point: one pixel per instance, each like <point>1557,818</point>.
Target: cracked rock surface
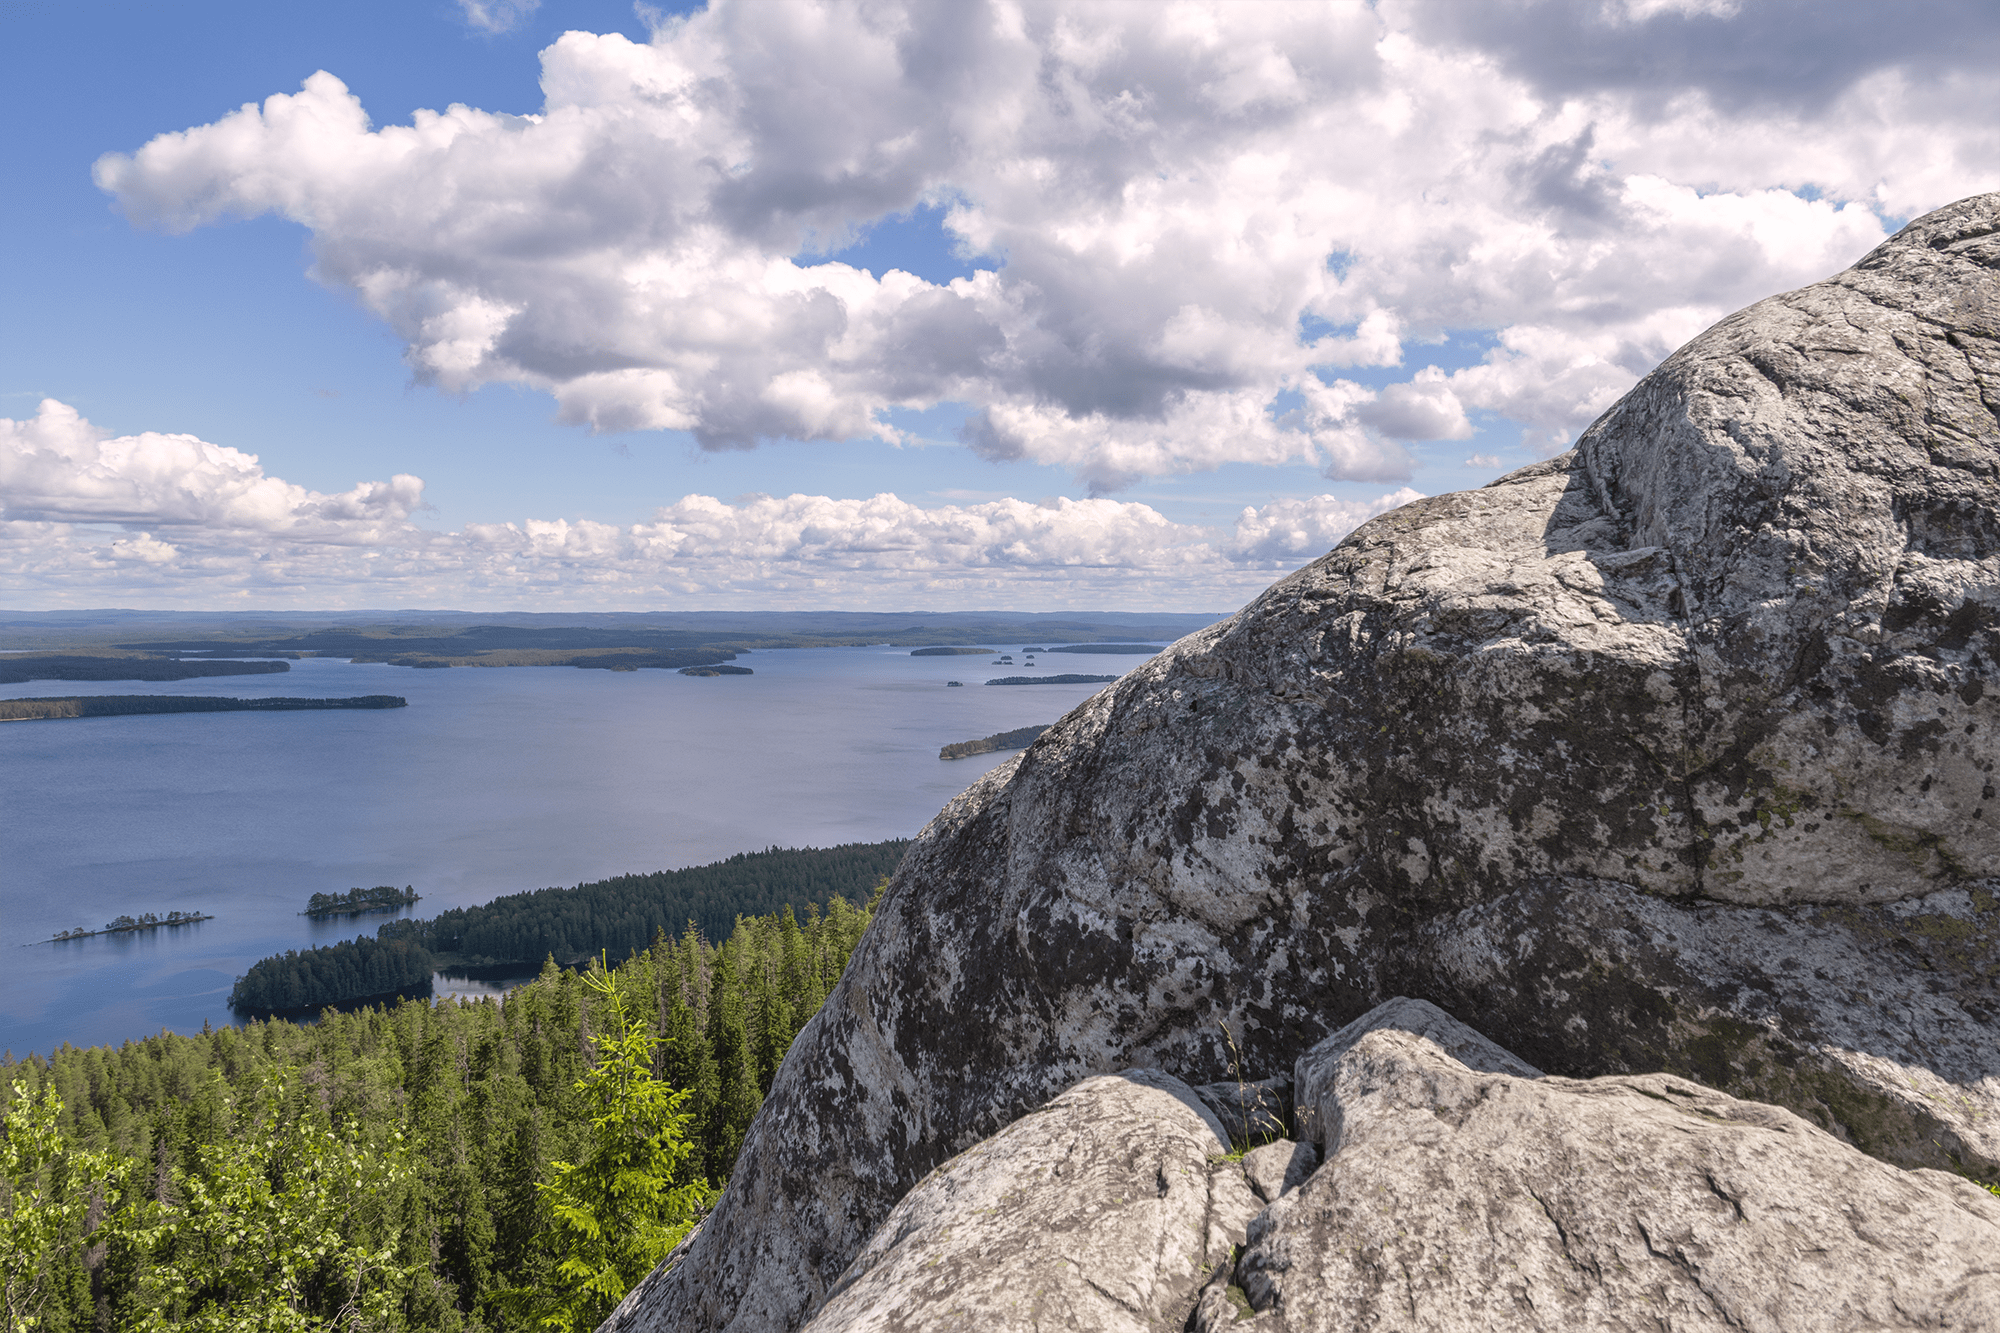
<point>1461,1199</point>
<point>1674,753</point>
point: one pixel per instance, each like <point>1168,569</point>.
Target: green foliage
<point>50,1194</point>
<point>398,1166</point>
<point>283,1226</point>
<point>616,1212</point>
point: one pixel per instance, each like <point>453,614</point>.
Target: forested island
<point>129,705</point>
<point>127,925</point>
<point>949,652</point>
<point>511,934</point>
<point>19,668</point>
<point>355,902</point>
<point>1018,739</point>
<point>717,671</point>
<point>1062,679</point>
<point>1129,649</point>
<point>401,1160</point>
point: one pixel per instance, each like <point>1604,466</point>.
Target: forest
<point>511,934</point>
<point>457,1166</point>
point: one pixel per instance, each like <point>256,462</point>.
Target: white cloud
<point>1284,530</point>
<point>497,15</point>
<point>57,466</point>
<point>1173,188</point>
<point>87,517</point>
<point>1424,408</point>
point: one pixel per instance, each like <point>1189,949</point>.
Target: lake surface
<point>492,781</point>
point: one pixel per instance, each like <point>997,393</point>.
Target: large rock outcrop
<point>1671,754</point>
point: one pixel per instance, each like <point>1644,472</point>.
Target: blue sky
<point>1190,291</point>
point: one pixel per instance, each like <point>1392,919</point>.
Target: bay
<point>492,781</point>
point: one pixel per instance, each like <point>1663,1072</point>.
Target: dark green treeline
<point>613,916</point>
<point>482,1094</point>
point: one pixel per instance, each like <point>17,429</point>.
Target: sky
<point>520,305</point>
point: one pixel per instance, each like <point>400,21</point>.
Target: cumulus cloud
<point>85,515</point>
<point>1176,193</point>
<point>57,466</point>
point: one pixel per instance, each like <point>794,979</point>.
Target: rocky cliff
<point>1670,755</point>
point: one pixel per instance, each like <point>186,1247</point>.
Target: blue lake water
<point>492,781</point>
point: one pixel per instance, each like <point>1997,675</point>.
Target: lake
<point>492,781</point>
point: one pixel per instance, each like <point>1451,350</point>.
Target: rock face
<point>1670,754</point>
<point>1458,1199</point>
<point>1095,1212</point>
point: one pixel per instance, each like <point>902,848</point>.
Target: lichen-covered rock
<point>1454,1200</point>
<point>1720,676</point>
<point>1094,1212</point>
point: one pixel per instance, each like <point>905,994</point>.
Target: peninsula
<point>125,705</point>
<point>1018,739</point>
<point>1067,678</point>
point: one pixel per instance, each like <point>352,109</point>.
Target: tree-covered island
<point>381,898</point>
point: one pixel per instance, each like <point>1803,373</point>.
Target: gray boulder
<point>1459,1199</point>
<point>1096,1211</point>
<point>1672,753</point>
<point>1278,1168</point>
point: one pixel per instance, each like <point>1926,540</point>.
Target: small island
<point>127,925</point>
<point>717,671</point>
<point>950,652</point>
<point>355,902</point>
<point>1018,739</point>
<point>1066,678</point>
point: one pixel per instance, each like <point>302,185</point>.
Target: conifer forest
<point>458,1165</point>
